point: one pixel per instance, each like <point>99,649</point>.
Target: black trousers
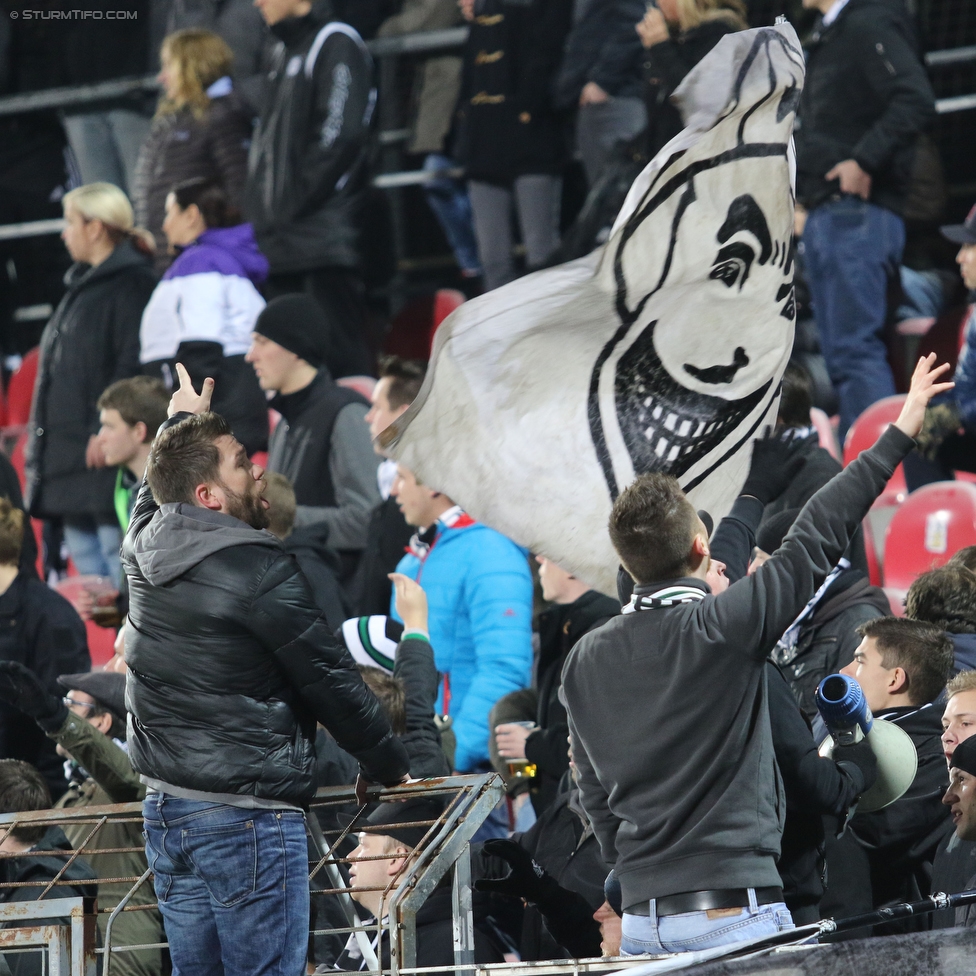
<point>342,295</point>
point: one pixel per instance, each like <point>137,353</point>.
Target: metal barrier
<point>73,931</point>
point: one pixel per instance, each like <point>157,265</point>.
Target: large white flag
<point>661,351</point>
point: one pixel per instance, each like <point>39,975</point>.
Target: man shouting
<point>230,666</point>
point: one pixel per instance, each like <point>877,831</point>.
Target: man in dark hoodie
<point>682,787</point>
<point>946,597</point>
<point>865,101</point>
<point>230,666</point>
<point>822,640</point>
<point>886,857</point>
<point>307,170</point>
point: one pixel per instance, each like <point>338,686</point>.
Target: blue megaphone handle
<point>842,705</point>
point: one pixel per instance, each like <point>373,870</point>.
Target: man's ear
<point>699,551</point>
<point>103,723</point>
<point>142,432</point>
<point>397,861</point>
<point>208,496</point>
<point>898,682</point>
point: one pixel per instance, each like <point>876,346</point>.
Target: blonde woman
<point>90,341</point>
<point>676,35</point>
<point>202,128</point>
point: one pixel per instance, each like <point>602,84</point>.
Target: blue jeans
<point>851,249</point>
<point>448,199</point>
<point>692,931</point>
<point>232,886</point>
<point>94,547</point>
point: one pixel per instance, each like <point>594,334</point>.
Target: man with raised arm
<point>231,664</point>
<point>667,703</point>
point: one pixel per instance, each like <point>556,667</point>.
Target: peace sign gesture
<point>185,399</point>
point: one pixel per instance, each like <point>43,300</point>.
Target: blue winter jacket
<point>479,594</point>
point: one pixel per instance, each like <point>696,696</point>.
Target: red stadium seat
<point>863,434</point>
<point>871,551</point>
<point>412,330</point>
<point>932,524</point>
<point>20,393</point>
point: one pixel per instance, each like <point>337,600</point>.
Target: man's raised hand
<point>924,388</point>
<point>185,399</point>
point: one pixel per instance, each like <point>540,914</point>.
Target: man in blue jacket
<point>479,591</point>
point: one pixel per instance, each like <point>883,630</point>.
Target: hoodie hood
<point>181,536</point>
<point>124,256</point>
<point>964,652</point>
<point>227,250</point>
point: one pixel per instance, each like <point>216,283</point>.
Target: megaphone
<point>849,720</point>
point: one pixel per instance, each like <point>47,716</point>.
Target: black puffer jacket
<point>508,126</point>
<point>231,663</point>
<point>91,340</point>
<point>180,147</point>
<point>307,170</point>
<point>866,97</point>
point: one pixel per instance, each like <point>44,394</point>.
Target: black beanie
<point>773,531</point>
<point>298,324</point>
<point>964,756</point>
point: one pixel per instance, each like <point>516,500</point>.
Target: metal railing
<point>74,931</point>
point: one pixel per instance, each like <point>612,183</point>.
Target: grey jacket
<point>668,715</point>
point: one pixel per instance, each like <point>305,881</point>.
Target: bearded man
<point>231,664</point>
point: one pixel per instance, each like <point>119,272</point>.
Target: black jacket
<point>681,787</point>
<point>507,125</point>
<point>435,938</point>
<point>828,637</point>
<point>560,627</point>
<point>665,66</point>
<point>181,146</point>
<point>563,843</point>
<point>953,870</point>
<point>320,567</point>
<point>42,631</point>
<point>91,340</point>
<point>387,536</point>
<point>866,97</point>
<point>231,663</point>
<point>307,168</point>
<point>602,47</point>
<point>901,840</point>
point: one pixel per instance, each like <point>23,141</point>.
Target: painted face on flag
<point>702,276</point>
<point>662,351</point>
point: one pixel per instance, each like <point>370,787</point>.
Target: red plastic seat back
<point>20,394</point>
<point>864,433</point>
<point>932,524</point>
<point>412,331</point>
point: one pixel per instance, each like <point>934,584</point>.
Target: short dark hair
<point>280,496</point>
<point>22,789</point>
<point>965,557</point>
<point>138,399</point>
<point>652,526</point>
<point>11,533</point>
<point>211,200</point>
<point>797,397</point>
<point>922,651</point>
<point>406,378</point>
<point>945,597</point>
<point>184,456</point>
<point>391,695</point>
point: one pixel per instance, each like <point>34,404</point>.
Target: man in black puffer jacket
<point>307,171</point>
<point>230,666</point>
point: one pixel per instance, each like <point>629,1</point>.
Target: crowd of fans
<point>209,374</point>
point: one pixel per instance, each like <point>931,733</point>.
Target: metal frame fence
<point>67,926</point>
